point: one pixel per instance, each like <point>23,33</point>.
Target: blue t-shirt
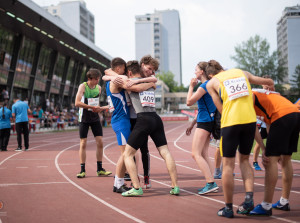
<point>5,122</point>
<point>117,103</point>
<point>20,109</point>
<point>205,115</point>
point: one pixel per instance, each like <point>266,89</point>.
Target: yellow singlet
<point>237,98</point>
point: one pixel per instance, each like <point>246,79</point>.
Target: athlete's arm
<point>110,72</point>
<point>79,95</point>
<point>189,129</point>
<point>193,98</point>
<point>141,80</point>
<point>260,81</point>
<point>141,87</point>
<point>212,88</point>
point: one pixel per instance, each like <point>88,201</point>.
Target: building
<point>288,39</point>
<point>76,16</point>
<point>158,34</point>
<point>41,58</point>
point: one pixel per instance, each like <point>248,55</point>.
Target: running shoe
<point>215,191</point>
<point>279,206</point>
<point>122,189</point>
<point>218,175</point>
<point>81,175</point>
<point>103,172</point>
<point>18,149</point>
<point>26,149</point>
<point>147,182</point>
<point>259,210</point>
<point>127,177</point>
<point>133,192</point>
<point>225,212</point>
<point>256,166</point>
<point>245,208</point>
<point>208,188</point>
<point>175,191</point>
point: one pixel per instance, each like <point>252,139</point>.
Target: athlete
<point>263,132</point>
<point>87,99</point>
<point>201,139</point>
<point>283,119</point>
<point>232,95</point>
<point>147,123</point>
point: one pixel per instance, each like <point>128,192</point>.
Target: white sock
<point>115,182</point>
<point>284,201</point>
<point>120,182</point>
<point>266,206</point>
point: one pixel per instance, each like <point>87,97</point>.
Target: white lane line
<point>25,184</point>
<point>42,166</point>
<point>89,193</point>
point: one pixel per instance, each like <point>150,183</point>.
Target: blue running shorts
<point>122,130</point>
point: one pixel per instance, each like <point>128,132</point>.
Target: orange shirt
<point>272,106</point>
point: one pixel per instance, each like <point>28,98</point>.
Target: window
<point>6,48</point>
<point>69,77</point>
<point>57,75</point>
<point>42,69</point>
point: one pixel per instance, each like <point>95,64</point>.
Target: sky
<point>210,29</point>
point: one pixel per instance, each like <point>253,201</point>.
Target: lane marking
<point>25,184</point>
<point>89,193</point>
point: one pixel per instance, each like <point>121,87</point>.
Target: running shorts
<point>283,135</point>
<point>147,124</point>
<point>237,136</point>
<point>122,130</point>
<point>208,126</point>
<point>84,129</point>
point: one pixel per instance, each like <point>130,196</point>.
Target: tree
<point>253,56</point>
<point>168,78</point>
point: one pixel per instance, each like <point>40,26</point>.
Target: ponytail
<point>3,115</point>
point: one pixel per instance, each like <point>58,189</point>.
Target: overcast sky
<point>210,29</point>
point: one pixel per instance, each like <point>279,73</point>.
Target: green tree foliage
<point>168,78</point>
<point>253,56</point>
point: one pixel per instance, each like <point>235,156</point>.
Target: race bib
<point>93,102</point>
<point>147,98</point>
<point>236,88</point>
<point>110,104</point>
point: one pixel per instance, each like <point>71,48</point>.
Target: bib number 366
<point>236,88</point>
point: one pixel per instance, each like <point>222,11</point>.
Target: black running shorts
<point>208,126</point>
<point>237,136</point>
<point>283,135</point>
<point>147,124</point>
<point>84,129</point>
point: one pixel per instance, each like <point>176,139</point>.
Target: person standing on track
<point>87,99</point>
<point>283,118</point>
<point>201,139</point>
<point>5,117</point>
<point>232,95</point>
<point>263,132</point>
<point>20,112</point>
<point>147,123</point>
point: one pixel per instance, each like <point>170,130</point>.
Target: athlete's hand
<point>96,109</point>
<point>194,82</point>
<point>118,81</point>
<point>189,130</point>
<point>265,159</point>
<point>130,83</point>
<point>154,85</point>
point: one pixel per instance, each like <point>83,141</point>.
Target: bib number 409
<point>147,98</point>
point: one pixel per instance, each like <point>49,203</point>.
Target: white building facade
<point>75,15</point>
<point>159,35</point>
<point>288,39</point>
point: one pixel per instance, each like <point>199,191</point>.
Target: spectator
<point>5,117</point>
<point>20,112</point>
<point>5,95</point>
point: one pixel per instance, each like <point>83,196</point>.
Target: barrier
<point>174,118</point>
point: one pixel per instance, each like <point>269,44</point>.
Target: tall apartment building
<point>288,39</point>
<point>158,34</point>
<point>75,15</point>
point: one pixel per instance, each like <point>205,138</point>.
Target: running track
<point>40,185</point>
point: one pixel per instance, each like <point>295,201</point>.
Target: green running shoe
<point>133,192</point>
<point>81,175</point>
<point>103,172</point>
<point>175,191</point>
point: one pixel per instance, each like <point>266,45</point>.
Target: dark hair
<point>133,66</point>
<point>213,67</point>
<point>202,66</point>
<point>117,61</point>
<point>149,60</point>
<point>93,73</point>
<point>3,115</point>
